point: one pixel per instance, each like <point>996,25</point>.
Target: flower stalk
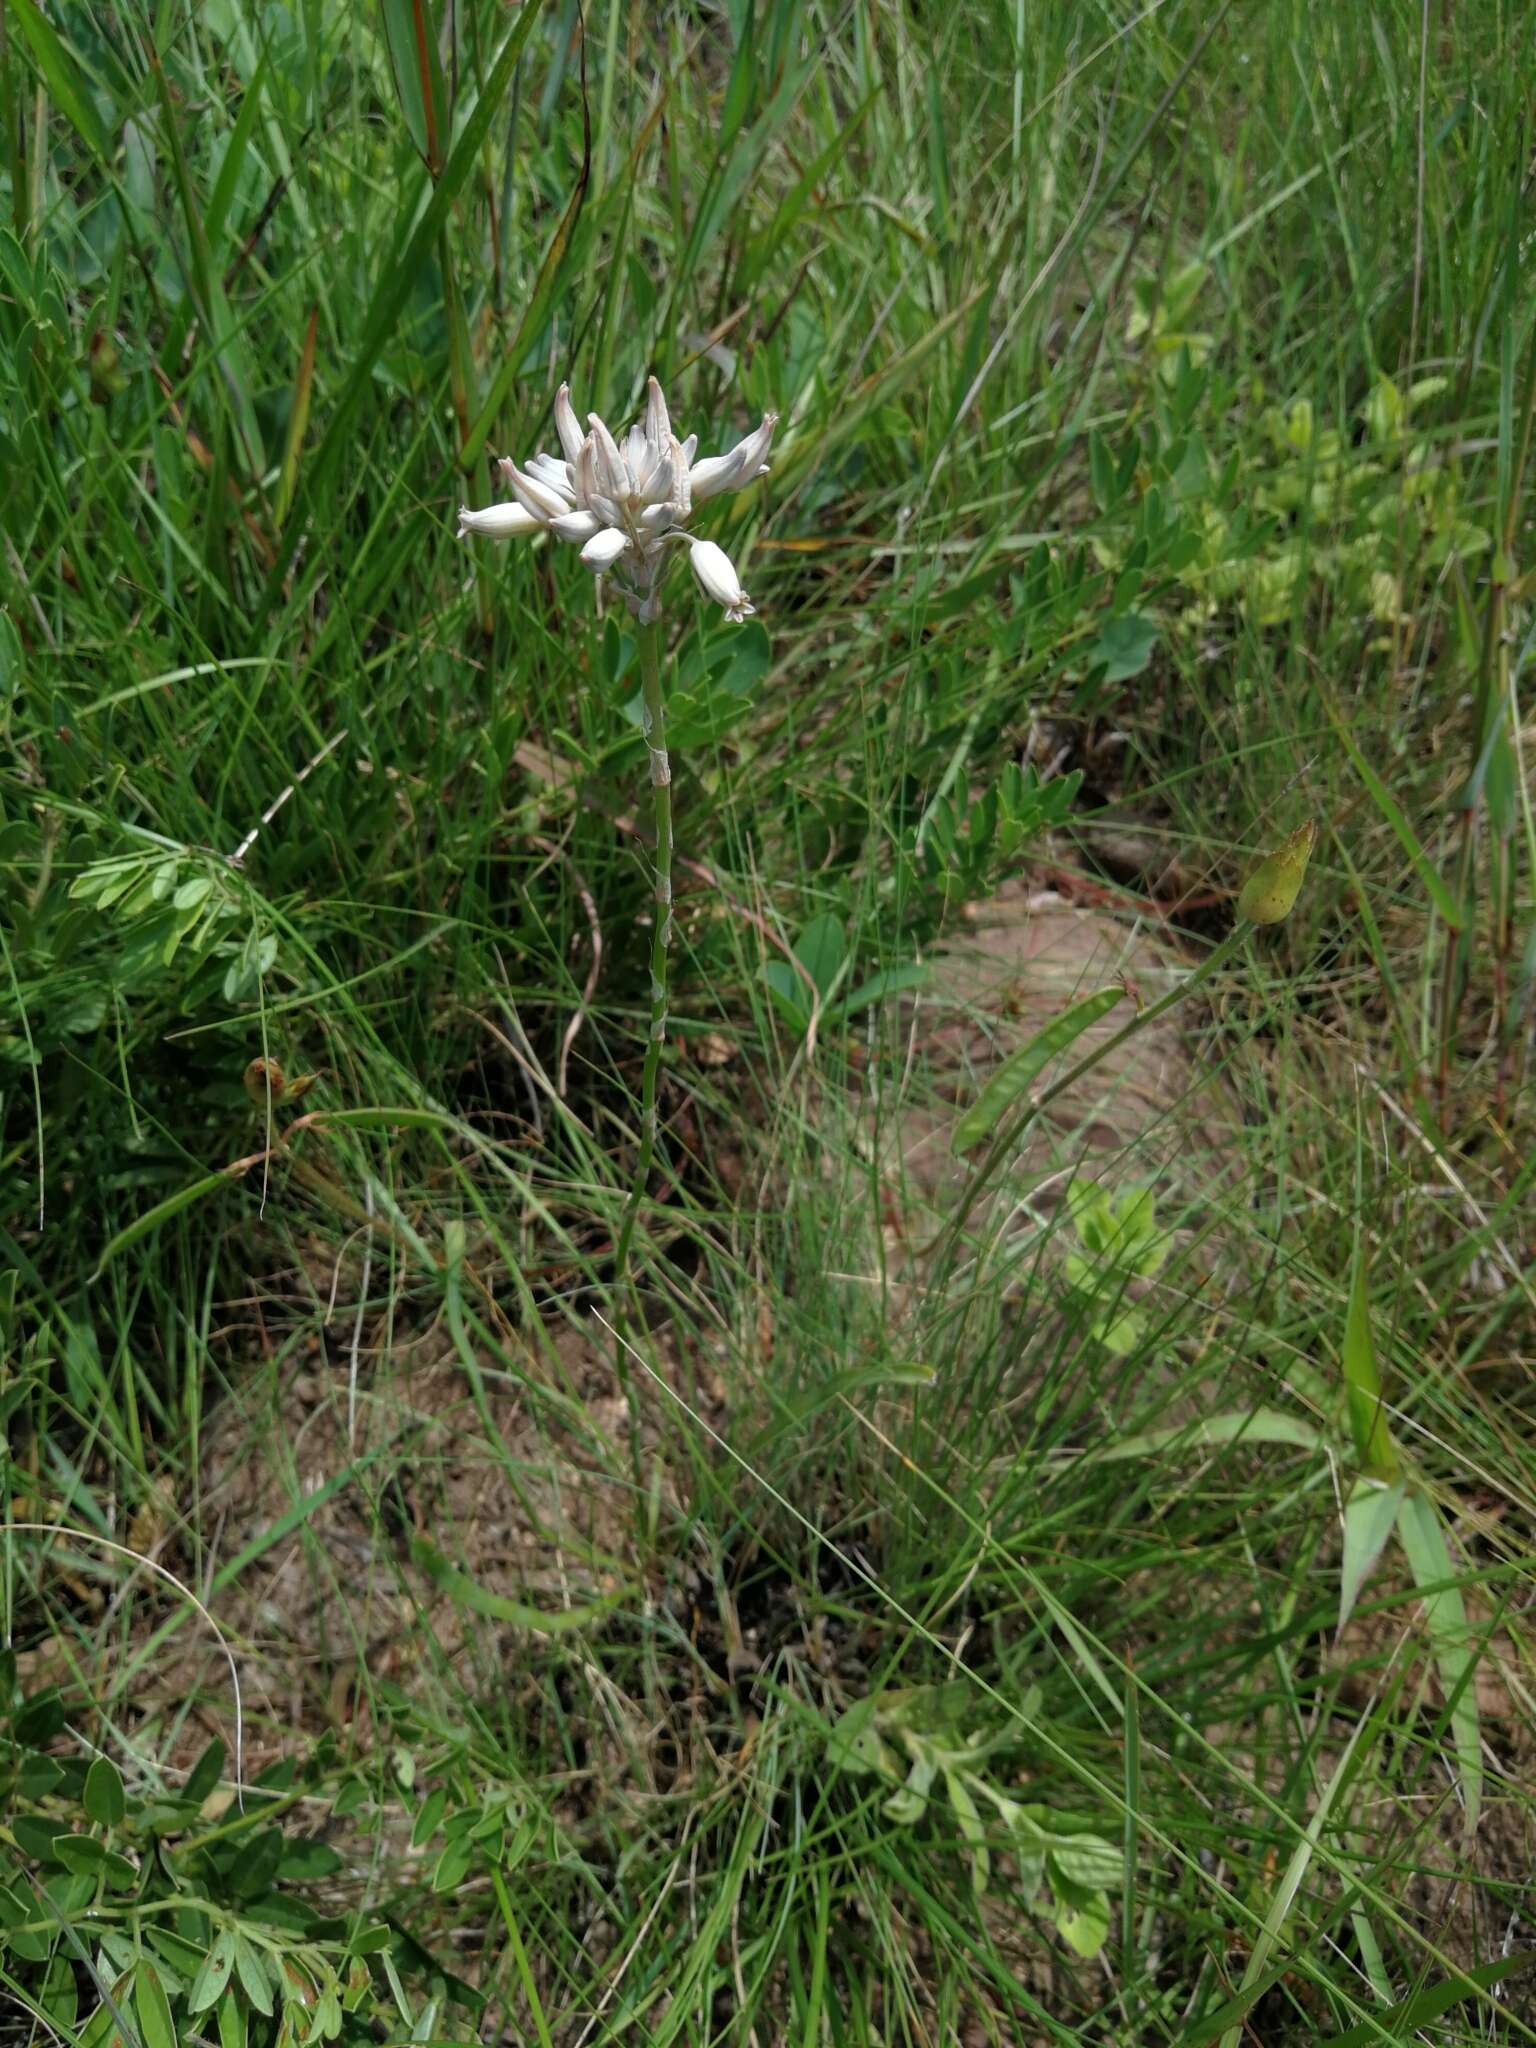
<point>654,719</point>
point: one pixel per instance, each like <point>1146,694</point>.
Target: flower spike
<point>621,498</point>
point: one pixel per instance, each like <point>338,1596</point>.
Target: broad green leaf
<point>1445,1616</point>
<point>1087,1860</point>
<point>908,1805</point>
<point>152,2006</point>
<point>304,1861</point>
<point>1369,1516</point>
<point>82,1854</point>
<point>927,1707</point>
<point>205,1773</point>
<point>789,991</point>
<point>61,1994</point>
<point>430,1817</point>
<point>102,2021</point>
<point>821,950</point>
<point>252,1972</point>
<point>1121,1333</point>
<point>103,1797</point>
<point>1124,645</point>
<point>855,1744</point>
<point>1091,1211</point>
<point>212,1980</point>
<point>1023,1067</point>
<point>1083,1922</point>
<point>371,1940</point>
<point>737,661</point>
<point>449,1871</point>
<point>232,2029</point>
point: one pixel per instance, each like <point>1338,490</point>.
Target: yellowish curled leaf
<point>1271,890</point>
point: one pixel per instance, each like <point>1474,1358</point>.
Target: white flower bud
<point>498,522</point>
<point>718,579</point>
<point>604,548</point>
<point>576,526</point>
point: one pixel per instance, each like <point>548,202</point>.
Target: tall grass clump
<point>974,1484</point>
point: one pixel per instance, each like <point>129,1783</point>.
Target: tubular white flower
<point>576,526</point>
<point>609,466</point>
<point>541,498</point>
<point>717,474</point>
<point>640,454</point>
<point>566,424</point>
<point>718,579</point>
<point>549,469</point>
<point>605,548</point>
<point>498,522</point>
<point>654,487</point>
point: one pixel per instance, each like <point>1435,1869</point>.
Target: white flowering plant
<point>629,503</point>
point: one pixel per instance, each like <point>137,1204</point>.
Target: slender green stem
<point>661,938</point>
<point>1007,1139</point>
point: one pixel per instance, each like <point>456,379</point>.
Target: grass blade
<point>1362,1380</point>
<point>1445,1616</point>
<point>141,1226</point>
<point>1285,1893</point>
<point>1369,1516</point>
<point>298,420</point>
<point>1255,1426</point>
<point>1449,909</point>
<point>1023,1067</point>
<point>1406,2018</point>
<point>467,1593</point>
<point>61,74</point>
<point>417,233</point>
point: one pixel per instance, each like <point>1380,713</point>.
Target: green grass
<point>1041,489</point>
